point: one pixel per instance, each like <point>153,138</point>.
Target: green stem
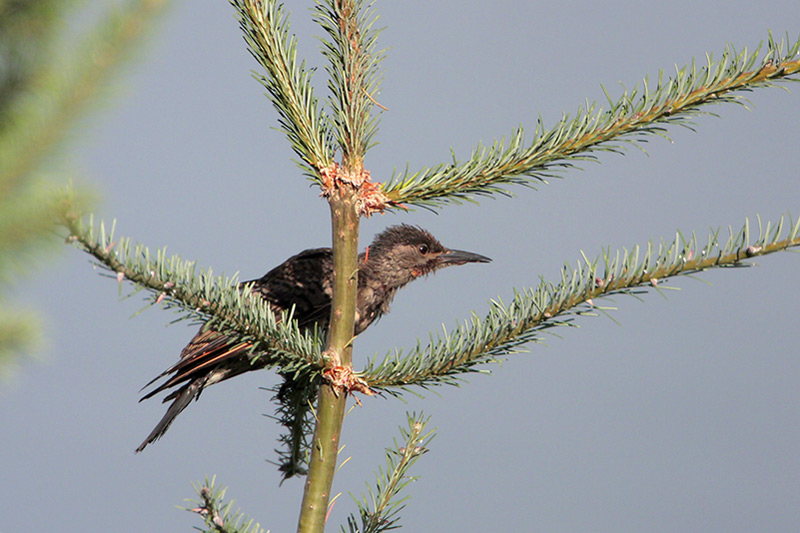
<point>332,402</point>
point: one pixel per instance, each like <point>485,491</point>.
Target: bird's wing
<point>205,351</point>
<point>302,282</point>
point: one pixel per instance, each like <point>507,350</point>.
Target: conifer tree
<point>330,139</point>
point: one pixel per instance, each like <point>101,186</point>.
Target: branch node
<point>342,379</point>
<point>370,197</point>
<point>753,250</point>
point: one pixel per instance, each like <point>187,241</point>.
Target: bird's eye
<point>423,249</point>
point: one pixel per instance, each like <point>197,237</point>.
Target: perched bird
<point>396,257</point>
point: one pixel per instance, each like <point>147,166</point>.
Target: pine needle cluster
<point>507,328</point>
<point>630,119</point>
<point>380,508</point>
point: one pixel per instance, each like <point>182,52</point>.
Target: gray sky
<point>683,418</point>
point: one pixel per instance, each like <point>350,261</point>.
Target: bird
<point>304,284</point>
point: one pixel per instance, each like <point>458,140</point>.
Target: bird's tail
<point>183,398</point>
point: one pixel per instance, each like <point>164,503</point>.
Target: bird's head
<point>403,253</point>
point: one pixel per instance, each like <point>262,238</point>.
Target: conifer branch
<point>219,516</point>
<point>631,119</point>
<point>350,194</point>
<point>379,510</point>
<point>353,73</point>
<point>508,327</point>
<point>219,301</point>
<point>295,413</point>
<point>266,30</point>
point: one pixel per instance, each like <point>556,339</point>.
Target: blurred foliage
<point>55,56</point>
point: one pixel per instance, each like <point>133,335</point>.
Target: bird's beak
<point>459,257</point>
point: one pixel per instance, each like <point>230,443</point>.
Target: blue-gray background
<point>683,418</point>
